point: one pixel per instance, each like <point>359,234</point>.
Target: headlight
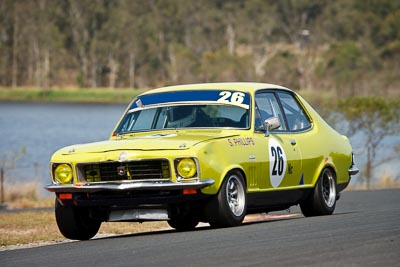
<point>186,168</point>
<point>63,173</point>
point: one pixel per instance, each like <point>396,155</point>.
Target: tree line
<point>349,46</point>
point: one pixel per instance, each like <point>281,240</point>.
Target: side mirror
<point>271,124</point>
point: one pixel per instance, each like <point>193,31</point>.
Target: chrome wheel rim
<point>328,188</point>
<point>235,195</point>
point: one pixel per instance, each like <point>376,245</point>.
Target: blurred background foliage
<point>375,118</point>
<point>346,47</point>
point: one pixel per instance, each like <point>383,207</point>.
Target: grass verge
<point>33,227</point>
<point>25,196</point>
<point>122,96</point>
<point>29,218</point>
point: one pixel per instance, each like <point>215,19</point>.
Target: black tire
<point>228,208</point>
<point>75,223</point>
<point>186,222</point>
<point>322,201</point>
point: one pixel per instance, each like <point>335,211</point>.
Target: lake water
<point>44,128</point>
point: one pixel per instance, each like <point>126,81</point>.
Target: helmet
<point>181,116</point>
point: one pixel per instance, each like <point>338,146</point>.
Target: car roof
<point>250,87</point>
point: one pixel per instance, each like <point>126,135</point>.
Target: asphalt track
<point>364,231</point>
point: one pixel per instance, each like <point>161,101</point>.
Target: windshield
<point>184,116</point>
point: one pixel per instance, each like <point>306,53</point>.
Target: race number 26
<point>229,97</point>
<point>277,162</point>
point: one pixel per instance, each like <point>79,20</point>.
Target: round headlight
<point>63,173</point>
<point>186,168</point>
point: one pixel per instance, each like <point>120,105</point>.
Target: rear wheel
<point>75,223</point>
<point>228,207</point>
<point>322,201</point>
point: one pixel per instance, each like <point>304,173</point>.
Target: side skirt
<point>275,200</point>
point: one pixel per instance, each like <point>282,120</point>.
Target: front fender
<point>214,189</point>
<point>217,159</point>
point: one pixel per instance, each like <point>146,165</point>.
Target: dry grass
<point>25,195</point>
<point>20,228</point>
<point>387,181</point>
<point>28,227</point>
<point>384,182</point>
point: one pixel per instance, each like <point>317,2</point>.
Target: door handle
<point>293,142</point>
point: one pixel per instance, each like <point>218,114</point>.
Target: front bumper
<point>126,186</point>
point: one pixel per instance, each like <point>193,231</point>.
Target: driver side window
<point>296,117</point>
<point>267,107</point>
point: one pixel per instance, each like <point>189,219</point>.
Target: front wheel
<point>186,222</point>
<point>322,201</point>
<point>228,207</point>
<point>75,223</point>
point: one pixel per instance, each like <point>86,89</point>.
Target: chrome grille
<point>130,170</point>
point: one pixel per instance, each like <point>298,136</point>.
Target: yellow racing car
<point>203,153</point>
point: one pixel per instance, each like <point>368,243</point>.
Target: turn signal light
<point>189,191</point>
<point>63,196</point>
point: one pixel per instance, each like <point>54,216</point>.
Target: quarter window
<point>296,118</point>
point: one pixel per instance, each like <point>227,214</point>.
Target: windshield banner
<point>235,98</point>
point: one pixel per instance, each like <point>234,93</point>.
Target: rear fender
<point>326,162</point>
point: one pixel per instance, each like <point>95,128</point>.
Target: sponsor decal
<point>290,168</point>
<point>242,141</point>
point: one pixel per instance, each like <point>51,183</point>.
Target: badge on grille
<point>121,170</point>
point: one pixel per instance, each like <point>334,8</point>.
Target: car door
<point>299,125</point>
<point>283,165</point>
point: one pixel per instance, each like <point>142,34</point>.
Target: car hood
<point>145,142</point>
